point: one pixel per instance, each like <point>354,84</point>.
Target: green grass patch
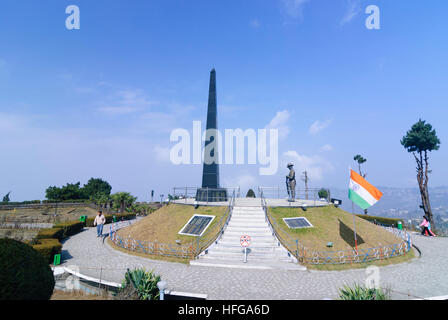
<point>164,224</point>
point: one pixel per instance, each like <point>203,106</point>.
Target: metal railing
<point>189,250</point>
<point>186,193</point>
<point>203,242</point>
<point>306,256</point>
<point>310,194</point>
<point>283,237</point>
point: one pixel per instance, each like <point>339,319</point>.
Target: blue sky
<point>101,101</point>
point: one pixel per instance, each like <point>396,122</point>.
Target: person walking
<point>429,230</point>
<point>425,224</point>
<point>99,222</point>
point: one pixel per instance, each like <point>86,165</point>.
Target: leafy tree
<point>96,187</point>
<point>71,191</point>
<point>6,197</point>
<point>360,160</point>
<point>323,193</point>
<point>250,194</point>
<point>122,200</point>
<point>93,190</point>
<point>419,141</point>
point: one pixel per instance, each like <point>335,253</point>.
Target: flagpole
<point>353,214</point>
<point>354,227</point>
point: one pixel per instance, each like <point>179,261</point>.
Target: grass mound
<point>331,224</point>
<point>164,224</point>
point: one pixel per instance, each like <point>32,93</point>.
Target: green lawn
<point>331,224</point>
<point>164,224</point>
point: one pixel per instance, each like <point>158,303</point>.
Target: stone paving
<point>421,278</point>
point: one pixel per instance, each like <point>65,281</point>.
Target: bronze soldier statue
<point>291,182</point>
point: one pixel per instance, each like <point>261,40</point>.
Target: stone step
<point>253,244</point>
<point>237,234</point>
<point>254,257</point>
<point>240,224</point>
<point>248,230</point>
<point>255,239</point>
<point>255,265</point>
<point>249,219</point>
<point>254,251</point>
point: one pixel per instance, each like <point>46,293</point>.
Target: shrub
<point>48,248</point>
<point>51,233</point>
<point>323,193</point>
<point>250,194</point>
<point>25,275</point>
<point>70,228</point>
<point>139,284</point>
<point>362,293</point>
<point>381,220</point>
<point>109,217</point>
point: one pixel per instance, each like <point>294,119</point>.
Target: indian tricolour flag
<point>361,192</point>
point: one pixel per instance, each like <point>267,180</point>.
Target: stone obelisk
<point>211,191</point>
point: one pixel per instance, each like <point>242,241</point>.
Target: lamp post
<point>161,197</point>
<point>162,286</point>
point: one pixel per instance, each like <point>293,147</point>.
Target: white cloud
<point>118,110</point>
<point>280,122</point>
<point>125,102</point>
<point>315,166</point>
<point>318,126</point>
<point>353,9</point>
<point>327,147</point>
<point>294,8</point>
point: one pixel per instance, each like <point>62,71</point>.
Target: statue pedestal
<point>212,195</point>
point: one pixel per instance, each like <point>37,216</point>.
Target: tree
<point>419,141</point>
<point>250,194</point>
<point>122,200</point>
<point>6,197</point>
<point>358,158</point>
<point>96,187</point>
<point>71,191</point>
<point>323,193</point>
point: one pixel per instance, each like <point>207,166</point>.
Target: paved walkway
<point>424,277</point>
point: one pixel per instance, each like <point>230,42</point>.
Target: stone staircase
<point>265,251</point>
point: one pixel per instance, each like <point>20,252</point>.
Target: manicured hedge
<point>48,248</point>
<point>70,228</point>
<point>109,218</point>
<point>51,233</point>
<point>25,274</point>
<point>48,239</point>
<point>381,220</point>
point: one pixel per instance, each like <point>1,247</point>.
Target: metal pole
<point>354,227</point>
<point>245,254</point>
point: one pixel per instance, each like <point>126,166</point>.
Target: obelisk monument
<point>211,191</point>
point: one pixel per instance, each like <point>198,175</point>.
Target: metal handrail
<point>227,215</point>
<point>287,241</point>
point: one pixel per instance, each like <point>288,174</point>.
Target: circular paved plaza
<point>421,278</point>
